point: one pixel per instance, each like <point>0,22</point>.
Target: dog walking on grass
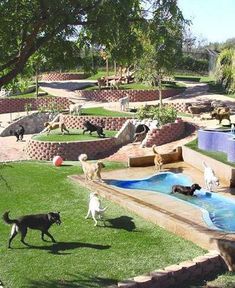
<point>40,222</point>
<point>95,208</point>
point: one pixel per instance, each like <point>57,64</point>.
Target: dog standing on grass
<point>158,161</point>
<point>95,208</point>
<point>40,222</point>
<point>211,181</point>
<point>91,170</point>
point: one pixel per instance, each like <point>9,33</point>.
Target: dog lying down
<point>91,170</point>
<point>40,222</point>
<point>95,208</point>
<point>186,190</point>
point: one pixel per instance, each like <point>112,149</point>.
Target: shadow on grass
<point>2,178</point>
<point>60,248</point>
<point>77,281</point>
<point>122,222</point>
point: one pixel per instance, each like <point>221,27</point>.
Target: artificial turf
<point>84,256</point>
<point>74,135</point>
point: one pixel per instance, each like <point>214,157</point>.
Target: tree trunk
<point>160,92</point>
<point>36,82</point>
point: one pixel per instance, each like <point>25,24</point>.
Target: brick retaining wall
<point>167,133</point>
<point>110,123</point>
<point>8,105</point>
<point>134,95</point>
<point>62,76</point>
<point>41,150</point>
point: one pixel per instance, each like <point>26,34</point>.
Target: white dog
<point>75,108</point>
<point>95,208</point>
<point>211,181</point>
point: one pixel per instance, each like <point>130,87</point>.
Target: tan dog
<point>158,161</point>
<point>91,170</point>
<point>54,125</point>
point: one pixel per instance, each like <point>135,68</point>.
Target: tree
<point>28,25</point>
<point>225,69</point>
<point>162,43</point>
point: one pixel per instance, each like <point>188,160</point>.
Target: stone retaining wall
<point>8,105</point>
<point>62,76</point>
<point>199,269</point>
<point>134,95</point>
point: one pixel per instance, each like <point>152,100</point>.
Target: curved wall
<point>62,76</point>
<point>8,105</point>
<point>134,95</point>
<point>95,149</point>
<point>167,133</point>
<point>217,141</point>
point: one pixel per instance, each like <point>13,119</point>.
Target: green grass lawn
<point>100,111</point>
<point>226,280</point>
<point>84,256</point>
<point>99,74</point>
<point>220,156</point>
<point>29,95</point>
<point>74,135</point>
<point>140,86</point>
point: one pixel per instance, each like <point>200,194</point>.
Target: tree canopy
<point>28,26</point>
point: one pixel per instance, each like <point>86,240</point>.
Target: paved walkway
<point>12,150</point>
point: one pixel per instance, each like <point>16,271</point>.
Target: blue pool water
<point>218,211</point>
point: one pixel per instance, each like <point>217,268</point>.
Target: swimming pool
<point>218,211</point>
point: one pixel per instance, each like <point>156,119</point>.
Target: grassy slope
<point>74,135</point>
<point>85,256</point>
<point>100,111</point>
<point>220,156</point>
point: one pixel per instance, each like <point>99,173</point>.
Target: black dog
<point>186,190</point>
<point>88,126</point>
<point>140,132</point>
<point>40,222</point>
<point>19,133</point>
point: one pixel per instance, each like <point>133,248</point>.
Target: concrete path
<point>10,150</point>
<point>66,88</point>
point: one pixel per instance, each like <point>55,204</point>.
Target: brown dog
<point>54,125</point>
<point>158,161</point>
<point>221,113</point>
<point>91,170</point>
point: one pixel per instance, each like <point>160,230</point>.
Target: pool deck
<point>166,211</point>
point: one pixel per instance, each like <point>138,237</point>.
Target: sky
<point>211,19</point>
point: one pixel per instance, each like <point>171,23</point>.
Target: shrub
<point>190,63</point>
<point>164,114</point>
<point>225,70</point>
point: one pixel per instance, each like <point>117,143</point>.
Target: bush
<point>164,114</point>
<point>190,63</point>
<point>225,70</point>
